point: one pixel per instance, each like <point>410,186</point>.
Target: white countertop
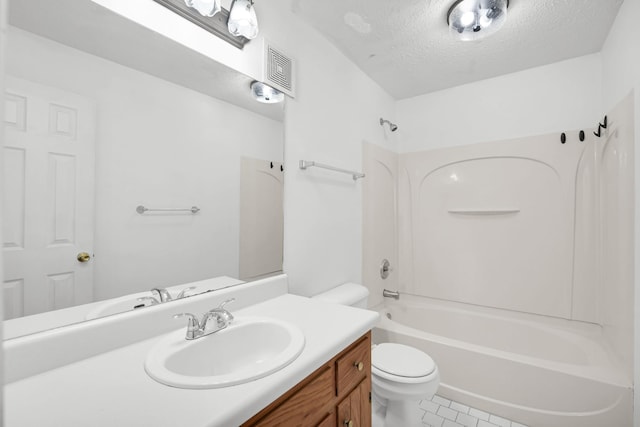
<point>113,389</point>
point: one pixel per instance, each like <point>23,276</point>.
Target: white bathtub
<point>540,371</point>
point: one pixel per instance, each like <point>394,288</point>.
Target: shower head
<point>392,126</point>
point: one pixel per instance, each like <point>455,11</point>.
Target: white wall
<point>552,98</point>
<point>337,107</point>
<point>621,74</point>
<point>159,145</point>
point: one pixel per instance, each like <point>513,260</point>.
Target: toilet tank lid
<point>345,294</point>
<point>402,360</point>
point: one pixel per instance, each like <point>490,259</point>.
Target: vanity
<point>336,394</point>
<point>327,384</point>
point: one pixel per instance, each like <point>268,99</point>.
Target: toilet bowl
<point>401,375</point>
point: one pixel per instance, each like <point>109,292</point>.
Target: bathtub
<point>536,370</point>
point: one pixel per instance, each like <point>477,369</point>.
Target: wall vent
<point>279,70</point>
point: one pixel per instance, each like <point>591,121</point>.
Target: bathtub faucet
<point>390,294</point>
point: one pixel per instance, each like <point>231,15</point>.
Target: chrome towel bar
<point>506,211</point>
<point>304,164</point>
<point>193,209</point>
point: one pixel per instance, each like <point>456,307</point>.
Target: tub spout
<point>390,294</point>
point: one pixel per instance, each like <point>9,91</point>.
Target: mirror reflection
<point>103,117</point>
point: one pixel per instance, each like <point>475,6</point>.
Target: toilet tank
<point>351,294</point>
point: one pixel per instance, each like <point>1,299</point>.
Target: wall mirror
<point>130,163</point>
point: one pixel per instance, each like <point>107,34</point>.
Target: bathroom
<point>327,237</point>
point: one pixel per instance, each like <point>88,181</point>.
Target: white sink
<point>248,349</point>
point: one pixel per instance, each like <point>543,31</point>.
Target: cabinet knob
<point>359,365</point>
<point>348,423</point>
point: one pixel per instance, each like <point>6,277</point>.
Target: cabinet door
<point>350,410</point>
<point>356,407</point>
<point>328,421</point>
<point>302,408</point>
<point>365,402</point>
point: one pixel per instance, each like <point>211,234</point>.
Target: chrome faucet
<point>193,326</point>
<point>164,295</point>
<point>222,315</point>
<point>390,294</point>
<point>198,329</point>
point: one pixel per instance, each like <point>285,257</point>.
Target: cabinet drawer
<point>302,407</point>
<point>353,366</point>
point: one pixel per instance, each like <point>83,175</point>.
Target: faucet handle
<point>193,325</point>
<point>222,315</point>
<point>223,303</point>
<point>184,291</point>
<point>163,294</point>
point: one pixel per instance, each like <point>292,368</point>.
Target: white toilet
<point>400,375</point>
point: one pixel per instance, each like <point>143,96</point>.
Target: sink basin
<point>248,349</point>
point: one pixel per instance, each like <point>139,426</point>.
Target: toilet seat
<point>401,363</point>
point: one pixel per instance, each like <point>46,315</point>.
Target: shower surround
<point>530,226</point>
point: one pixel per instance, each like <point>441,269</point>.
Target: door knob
<point>83,257</point>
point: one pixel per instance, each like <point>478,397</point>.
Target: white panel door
<point>48,198</point>
<point>261,217</point>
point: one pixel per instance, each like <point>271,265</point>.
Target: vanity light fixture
<point>266,94</point>
<point>204,7</point>
<point>476,19</point>
<point>243,20</point>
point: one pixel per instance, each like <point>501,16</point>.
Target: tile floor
<point>441,412</point>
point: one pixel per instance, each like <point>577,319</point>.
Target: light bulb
<point>243,20</point>
<point>485,21</point>
<point>265,93</point>
<point>475,19</point>
<point>204,7</point>
<point>467,18</point>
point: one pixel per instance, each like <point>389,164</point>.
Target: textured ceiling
<point>405,45</point>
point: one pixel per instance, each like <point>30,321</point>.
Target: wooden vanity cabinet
<point>338,394</point>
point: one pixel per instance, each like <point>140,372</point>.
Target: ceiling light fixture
<point>243,20</point>
<point>204,7</point>
<point>475,19</point>
<point>266,94</point>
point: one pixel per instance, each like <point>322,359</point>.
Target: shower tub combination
<point>537,370</point>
